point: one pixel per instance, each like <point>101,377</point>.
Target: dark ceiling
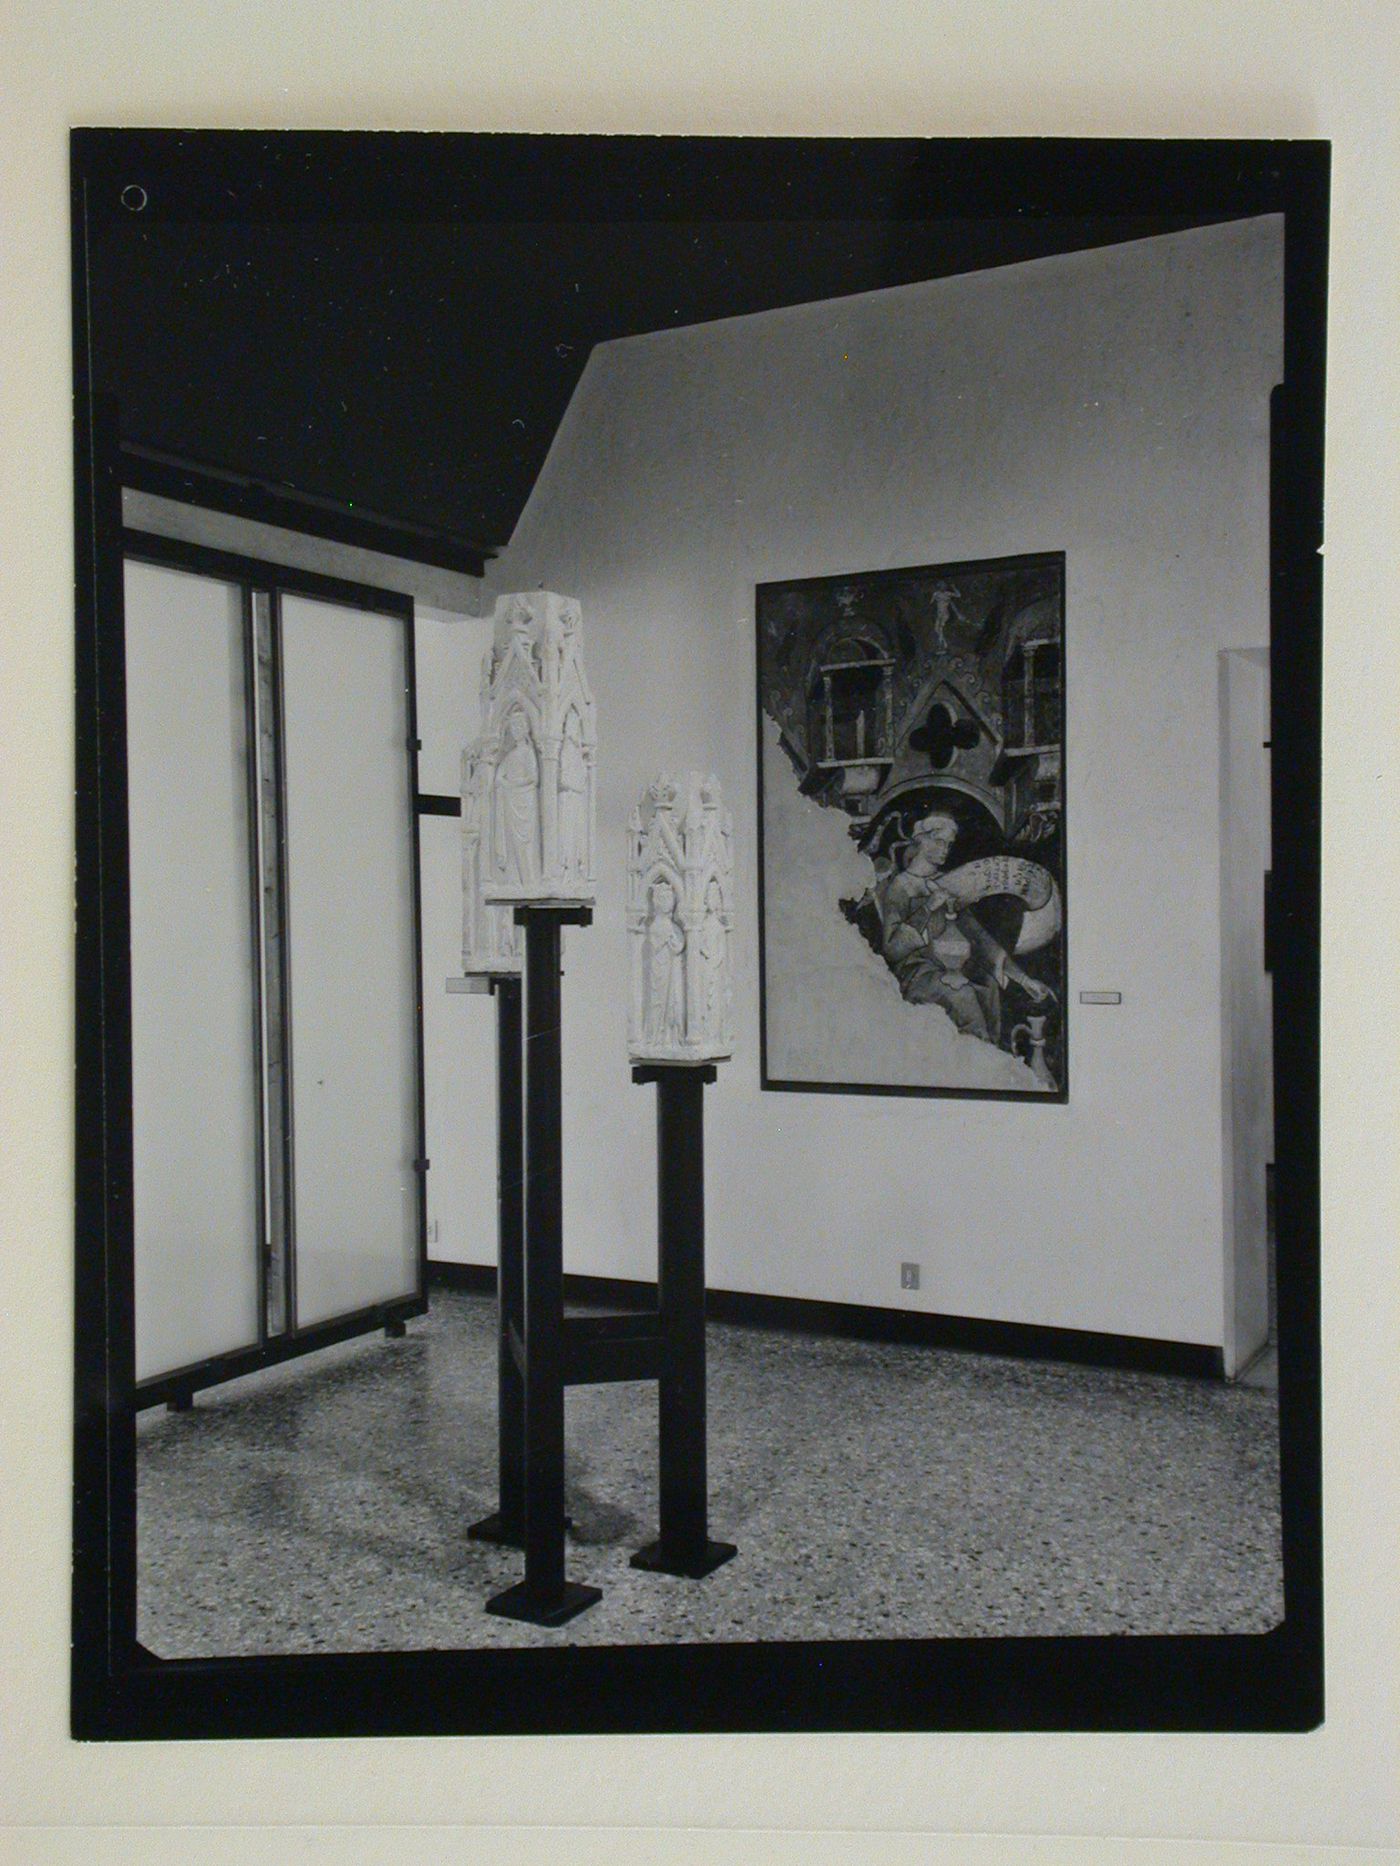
<point>412,357</point>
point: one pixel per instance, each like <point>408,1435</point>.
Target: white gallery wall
<point>459,1049</point>
<point>1112,405</point>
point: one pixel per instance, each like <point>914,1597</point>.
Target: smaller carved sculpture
<point>680,923</point>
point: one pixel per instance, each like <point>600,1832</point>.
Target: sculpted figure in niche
<point>518,621</point>
<point>714,937</point>
<point>945,605</point>
<point>665,1019</point>
<point>573,806</point>
<point>517,806</point>
<point>471,841</point>
<point>471,798</point>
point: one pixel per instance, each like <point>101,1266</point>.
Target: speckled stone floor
<point>873,1492</point>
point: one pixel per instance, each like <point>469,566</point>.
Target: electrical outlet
<point>909,1276</point>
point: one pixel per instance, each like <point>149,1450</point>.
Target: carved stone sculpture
<point>536,756</point>
<point>680,923</point>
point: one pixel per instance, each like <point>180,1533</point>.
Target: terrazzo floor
<point>874,1491</point>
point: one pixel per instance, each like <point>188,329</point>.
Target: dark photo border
<point>1271,1681</point>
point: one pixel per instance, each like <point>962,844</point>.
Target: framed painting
<point>912,830</point>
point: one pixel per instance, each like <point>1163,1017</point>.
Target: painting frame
<point>937,788</point>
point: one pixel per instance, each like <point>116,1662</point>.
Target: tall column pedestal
<point>545,1597</point>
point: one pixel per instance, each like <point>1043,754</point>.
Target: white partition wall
<point>276,993</point>
<point>194,1011</point>
<point>352,939</point>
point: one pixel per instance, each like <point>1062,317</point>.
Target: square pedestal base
<point>518,1603</point>
<point>497,1528</point>
<point>656,1561</point>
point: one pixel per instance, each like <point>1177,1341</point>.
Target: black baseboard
<point>480,1278</point>
<point>854,1321</point>
<point>178,1387</point>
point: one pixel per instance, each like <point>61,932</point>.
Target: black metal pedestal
<point>506,1523</point>
<point>684,1546</point>
<point>541,1351</point>
<point>545,1597</point>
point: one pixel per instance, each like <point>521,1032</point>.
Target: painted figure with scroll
<point>933,941</point>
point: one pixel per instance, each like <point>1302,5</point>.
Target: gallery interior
<point>989,1323</point>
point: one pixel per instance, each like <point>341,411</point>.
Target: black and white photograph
<point>584,640</point>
